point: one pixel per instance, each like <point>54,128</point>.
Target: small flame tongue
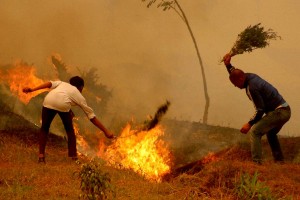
<point>143,153</point>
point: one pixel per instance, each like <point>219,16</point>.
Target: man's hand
<point>227,59</point>
<point>27,90</point>
<point>109,135</point>
<point>245,128</point>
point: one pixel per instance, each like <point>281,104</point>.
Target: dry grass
<point>21,177</point>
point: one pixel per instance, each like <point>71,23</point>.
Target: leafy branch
<point>253,37</point>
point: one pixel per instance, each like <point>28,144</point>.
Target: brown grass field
<point>211,177</point>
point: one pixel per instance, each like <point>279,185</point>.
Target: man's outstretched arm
<point>98,124</point>
<point>42,86</point>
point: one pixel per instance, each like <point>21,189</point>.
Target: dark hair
<point>76,81</point>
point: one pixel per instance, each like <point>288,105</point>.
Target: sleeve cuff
<point>230,68</point>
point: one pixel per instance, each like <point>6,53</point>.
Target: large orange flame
<point>20,76</point>
<point>142,152</point>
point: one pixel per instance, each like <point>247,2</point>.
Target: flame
<point>142,152</point>
<point>82,144</point>
<point>210,157</point>
<point>20,76</point>
<point>101,148</point>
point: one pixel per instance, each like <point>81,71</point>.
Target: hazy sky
<point>146,55</point>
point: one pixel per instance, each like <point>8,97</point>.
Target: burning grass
<point>216,176</point>
<point>143,152</point>
<point>21,177</point>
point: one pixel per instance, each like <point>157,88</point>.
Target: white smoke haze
<point>146,56</point>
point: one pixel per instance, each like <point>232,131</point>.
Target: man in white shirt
<point>59,101</point>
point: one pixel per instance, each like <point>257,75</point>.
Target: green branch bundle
<point>253,37</point>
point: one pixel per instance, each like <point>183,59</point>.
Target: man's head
<point>78,82</point>
<point>237,78</point>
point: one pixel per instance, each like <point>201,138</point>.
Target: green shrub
<point>94,183</point>
<point>251,188</point>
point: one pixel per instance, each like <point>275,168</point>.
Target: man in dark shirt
<point>271,111</point>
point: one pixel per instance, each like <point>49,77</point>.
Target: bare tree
<point>174,5</point>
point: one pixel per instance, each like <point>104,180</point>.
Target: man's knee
<point>255,133</point>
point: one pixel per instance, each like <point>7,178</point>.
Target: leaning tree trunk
<point>205,115</point>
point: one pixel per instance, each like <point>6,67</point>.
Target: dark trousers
<point>47,118</point>
<point>270,125</point>
<point>274,144</point>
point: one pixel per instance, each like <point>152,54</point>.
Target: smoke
<point>190,141</point>
<point>146,56</point>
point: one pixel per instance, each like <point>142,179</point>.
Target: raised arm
<point>42,86</point>
<point>227,59</point>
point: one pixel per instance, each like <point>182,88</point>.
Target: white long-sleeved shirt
<point>63,96</point>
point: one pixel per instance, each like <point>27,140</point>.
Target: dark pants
<point>270,125</point>
<point>47,118</point>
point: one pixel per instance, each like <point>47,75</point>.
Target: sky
<point>146,56</point>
